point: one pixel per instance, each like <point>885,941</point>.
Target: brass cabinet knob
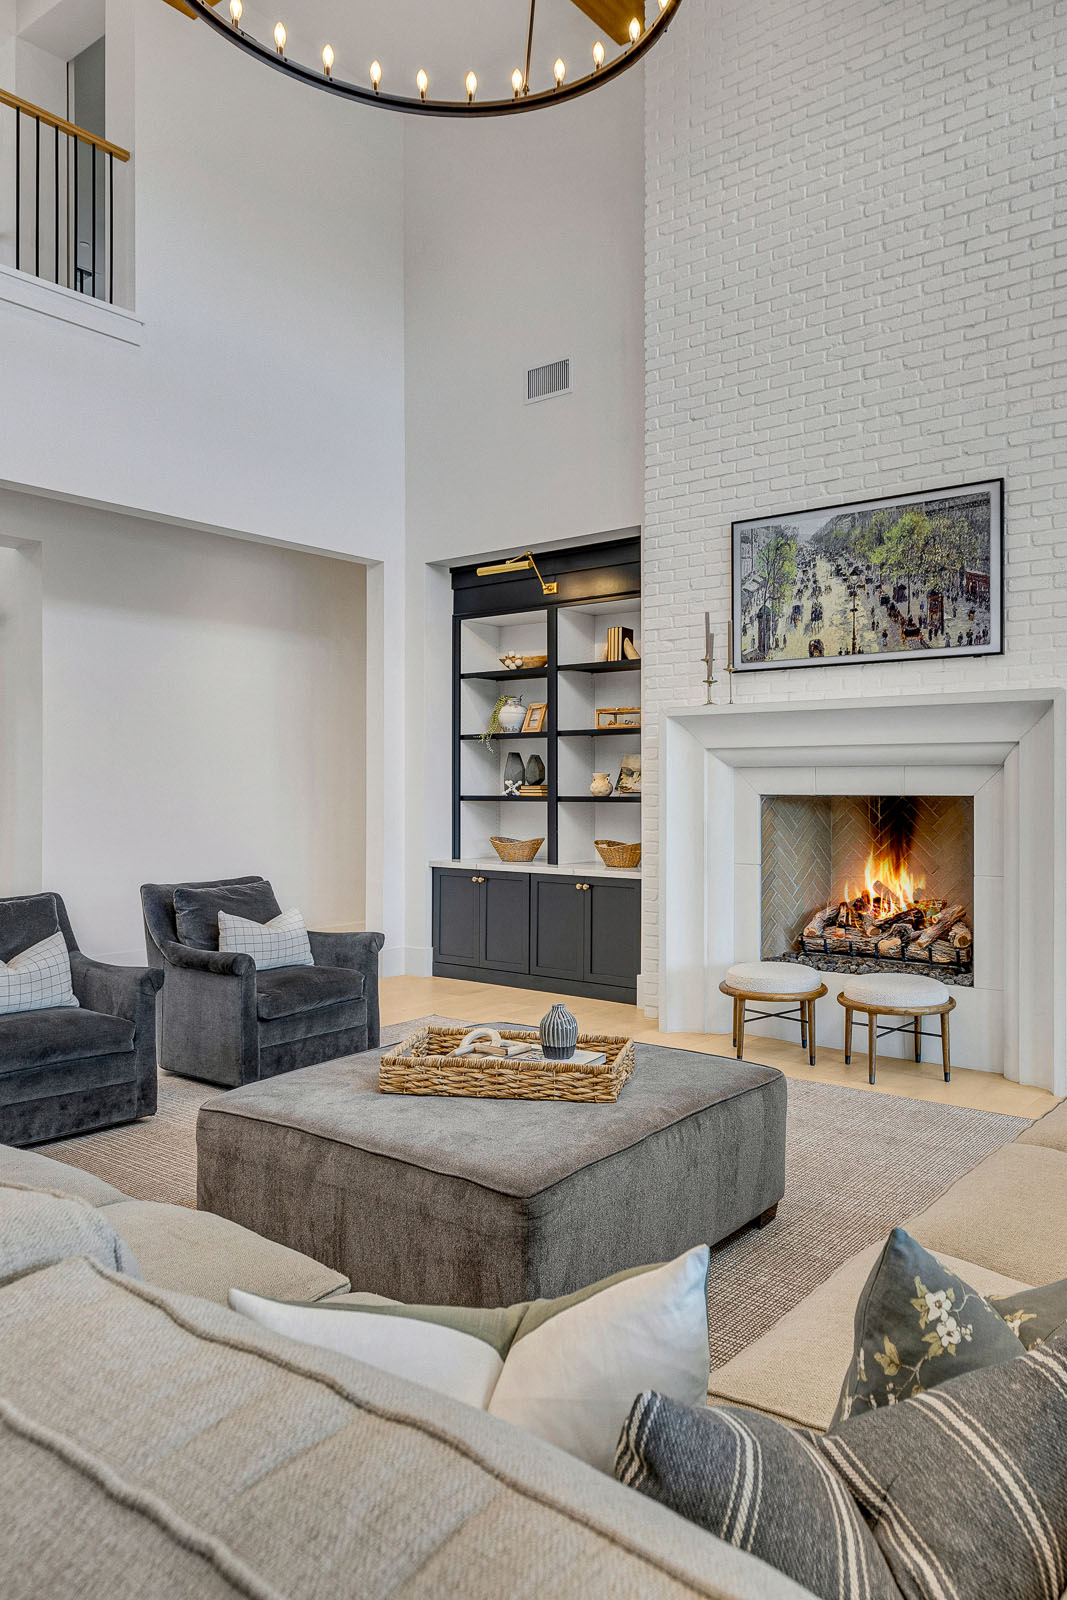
<point>578,887</point>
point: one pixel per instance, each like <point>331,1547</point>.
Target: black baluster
<point>37,198</point>
<point>77,188</point>
<point>110,228</point>
<point>18,187</point>
<point>92,157</point>
<point>57,202</point>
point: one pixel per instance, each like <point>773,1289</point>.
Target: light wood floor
<point>484,1002</point>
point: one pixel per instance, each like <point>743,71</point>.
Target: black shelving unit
<point>576,930</point>
<point>509,611</point>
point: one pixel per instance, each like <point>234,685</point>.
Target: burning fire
<point>889,888</point>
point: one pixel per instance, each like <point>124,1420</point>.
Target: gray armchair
<point>68,1070</point>
<point>222,1021</point>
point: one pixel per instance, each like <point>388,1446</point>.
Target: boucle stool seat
<point>762,981</point>
<point>896,994</point>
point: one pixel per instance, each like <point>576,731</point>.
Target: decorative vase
<point>559,1033</point>
<point>601,784</point>
<point>514,773</point>
<point>535,770</point>
<point>511,716</point>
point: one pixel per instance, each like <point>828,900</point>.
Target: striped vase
<point>559,1033</point>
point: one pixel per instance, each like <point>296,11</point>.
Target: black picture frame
<point>853,598</point>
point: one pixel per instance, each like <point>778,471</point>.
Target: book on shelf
<point>618,640</point>
<point>535,789</point>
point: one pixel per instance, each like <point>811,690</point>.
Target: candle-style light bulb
<point>598,56</point>
<point>635,30</point>
<point>559,70</point>
<point>516,82</point>
<point>279,37</point>
<point>471,85</point>
<point>327,60</point>
<point>375,74</point>
<point>421,83</point>
<point>236,10</point>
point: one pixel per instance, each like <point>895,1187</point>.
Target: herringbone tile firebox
<point>815,847</point>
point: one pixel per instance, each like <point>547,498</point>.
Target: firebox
<point>853,883</point>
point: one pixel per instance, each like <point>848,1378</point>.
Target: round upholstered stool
<point>768,983</point>
<point>896,994</point>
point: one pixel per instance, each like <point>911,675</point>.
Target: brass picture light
<point>519,564</point>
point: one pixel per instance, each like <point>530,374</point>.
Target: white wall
<point>203,716</point>
<point>523,243</point>
<point>20,718</point>
<point>852,241</point>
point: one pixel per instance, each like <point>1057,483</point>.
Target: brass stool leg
<point>811,1032</point>
<point>872,1043</point>
<point>740,1029</point>
<point>918,1031</point>
<point>848,1035</point>
<point>945,1059</point>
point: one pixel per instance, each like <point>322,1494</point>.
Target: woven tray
<point>424,1064</point>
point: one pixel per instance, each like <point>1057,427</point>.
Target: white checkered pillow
<point>281,942</point>
<point>38,978</point>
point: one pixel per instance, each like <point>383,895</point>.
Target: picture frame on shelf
<point>536,712</point>
<point>913,575</point>
<point>619,717</point>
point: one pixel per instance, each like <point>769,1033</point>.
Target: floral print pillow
<point>1034,1314</point>
<point>916,1325</point>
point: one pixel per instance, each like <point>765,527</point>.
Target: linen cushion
<point>153,1445</point>
<point>286,990</point>
<point>917,1325</point>
<point>773,977</point>
<point>756,1485</point>
<point>196,911</point>
<point>965,1488</point>
<point>38,978</point>
<point>32,1170</point>
<point>1034,1315</point>
<point>979,1216</point>
<point>281,942</point>
<point>895,989</point>
<point>1050,1130</point>
<point>564,1369</point>
<point>196,1252</point>
<point>38,1229</point>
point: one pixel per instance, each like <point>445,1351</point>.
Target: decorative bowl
<point>516,849</point>
<point>513,662</point>
<point>613,853</point>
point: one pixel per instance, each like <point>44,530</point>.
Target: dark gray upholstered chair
<point>222,1021</point>
<point>67,1069</point>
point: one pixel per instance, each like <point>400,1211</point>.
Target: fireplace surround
<point>1005,751</point>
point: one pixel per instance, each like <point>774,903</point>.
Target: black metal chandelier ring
<point>641,40</point>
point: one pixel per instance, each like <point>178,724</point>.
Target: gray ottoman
<point>488,1202</point>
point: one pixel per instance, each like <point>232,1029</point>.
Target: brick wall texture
<point>856,284</point>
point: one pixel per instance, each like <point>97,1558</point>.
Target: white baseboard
<point>407,961</point>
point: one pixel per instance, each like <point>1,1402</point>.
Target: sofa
<point>66,1070</point>
<point>187,1452</point>
<point>224,1022</point>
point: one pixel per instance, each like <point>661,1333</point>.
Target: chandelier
<point>621,21</point>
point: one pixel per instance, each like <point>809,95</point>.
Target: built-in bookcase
<point>599,588</point>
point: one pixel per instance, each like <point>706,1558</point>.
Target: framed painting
<point>910,575</point>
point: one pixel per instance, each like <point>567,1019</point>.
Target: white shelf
<point>565,869</point>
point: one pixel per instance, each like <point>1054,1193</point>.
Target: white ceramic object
<point>511,716</point>
<point>601,784</point>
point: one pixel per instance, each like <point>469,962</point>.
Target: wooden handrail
<point>52,121</point>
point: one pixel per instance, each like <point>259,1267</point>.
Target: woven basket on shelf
<point>516,849</point>
<point>615,854</point>
<point>424,1064</point>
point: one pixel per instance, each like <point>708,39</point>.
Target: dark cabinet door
<point>506,942</point>
<point>457,918</point>
<point>557,928</point>
<point>613,932</point>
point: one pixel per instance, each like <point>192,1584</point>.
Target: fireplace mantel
<point>1008,749</point>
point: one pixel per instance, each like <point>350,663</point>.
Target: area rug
<point>856,1164</point>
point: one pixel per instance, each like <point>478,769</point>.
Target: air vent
<point>543,382</point>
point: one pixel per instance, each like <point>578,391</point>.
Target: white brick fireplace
<point>1007,749</point>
